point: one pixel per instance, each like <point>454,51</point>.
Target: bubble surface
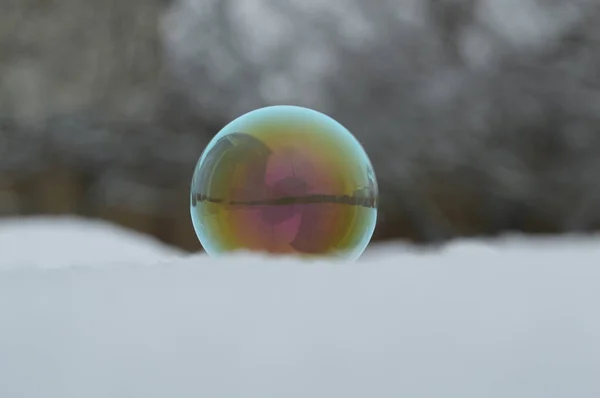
<point>284,180</point>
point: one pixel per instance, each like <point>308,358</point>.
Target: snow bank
<point>470,320</point>
<point>47,242</point>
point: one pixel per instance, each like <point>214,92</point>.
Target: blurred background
<point>480,116</point>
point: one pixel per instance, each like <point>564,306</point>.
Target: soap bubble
<point>284,180</point>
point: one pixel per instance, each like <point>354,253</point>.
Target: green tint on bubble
<point>284,180</point>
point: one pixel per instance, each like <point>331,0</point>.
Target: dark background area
<point>480,116</point>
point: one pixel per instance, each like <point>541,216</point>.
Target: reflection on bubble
<point>284,180</point>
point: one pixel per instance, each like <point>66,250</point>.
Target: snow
<point>509,318</point>
<point>70,242</point>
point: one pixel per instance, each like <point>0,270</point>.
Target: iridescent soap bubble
<point>284,180</point>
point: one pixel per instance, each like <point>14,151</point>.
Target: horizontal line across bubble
<point>369,202</point>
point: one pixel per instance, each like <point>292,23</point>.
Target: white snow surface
<point>49,242</point>
<point>507,318</point>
